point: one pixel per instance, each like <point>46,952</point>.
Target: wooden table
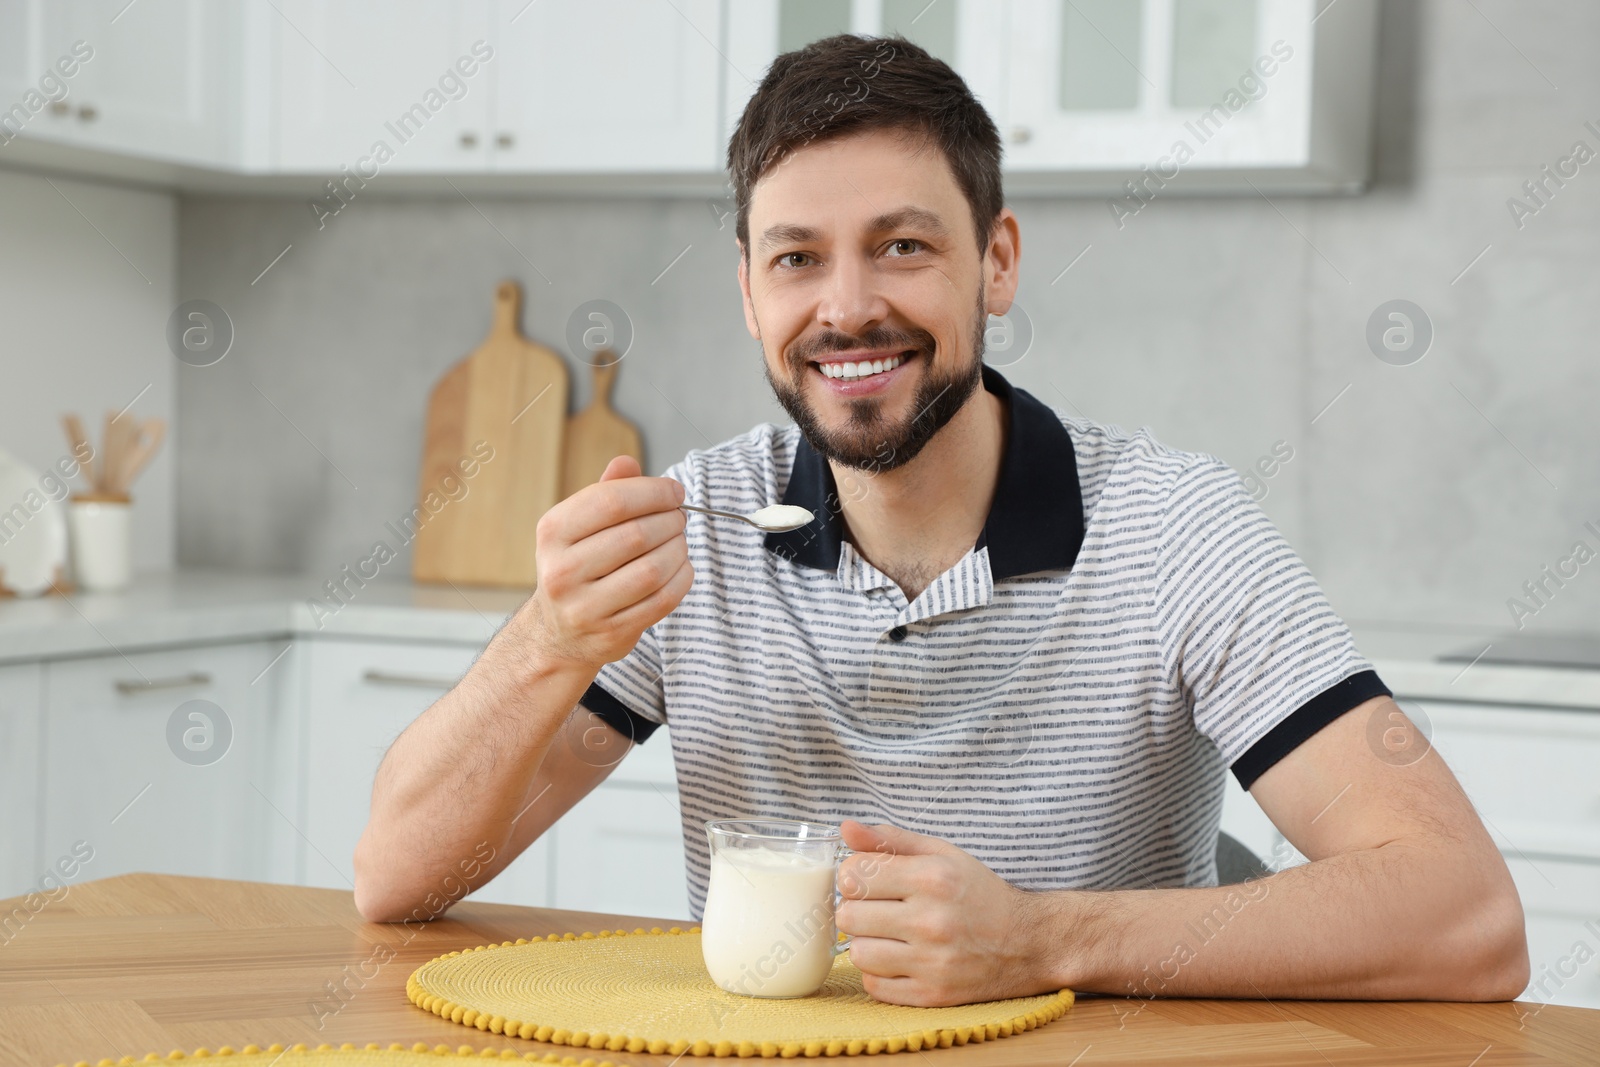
<point>148,963</point>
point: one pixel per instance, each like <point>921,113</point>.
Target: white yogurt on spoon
<point>782,515</point>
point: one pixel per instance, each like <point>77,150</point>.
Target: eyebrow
<point>788,233</point>
<point>904,218</point>
<point>909,218</point>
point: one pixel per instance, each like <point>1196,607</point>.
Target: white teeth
<point>863,369</point>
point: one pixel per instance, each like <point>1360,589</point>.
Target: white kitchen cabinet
<point>1196,94</point>
<point>607,86</point>
<point>89,752</point>
<point>415,78</point>
<point>560,86</point>
<point>1561,900</point>
<point>1087,93</point>
<point>620,849</point>
<point>1101,84</point>
<point>177,762</point>
<point>1530,772</point>
<point>20,69</point>
<point>360,696</point>
<point>21,695</point>
<point>159,81</point>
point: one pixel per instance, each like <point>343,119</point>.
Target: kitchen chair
<point>1236,863</point>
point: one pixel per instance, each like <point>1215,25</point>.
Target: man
<point>1022,647</point>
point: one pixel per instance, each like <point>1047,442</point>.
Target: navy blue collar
<point>1035,522</point>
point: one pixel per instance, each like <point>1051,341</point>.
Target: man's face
<point>863,256</point>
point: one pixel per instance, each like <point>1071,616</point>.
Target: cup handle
<point>840,944</point>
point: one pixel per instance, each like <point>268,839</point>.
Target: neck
<point>914,522</point>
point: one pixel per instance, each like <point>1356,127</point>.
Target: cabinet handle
<point>60,107</point>
<point>87,112</point>
<point>150,685</point>
<point>469,140</point>
<point>1021,135</point>
<point>505,140</point>
<point>420,681</point>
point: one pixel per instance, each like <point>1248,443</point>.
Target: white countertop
<point>1408,659</point>
<point>189,606</point>
<point>194,606</point>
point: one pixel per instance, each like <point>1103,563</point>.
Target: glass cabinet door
<point>1118,84</point>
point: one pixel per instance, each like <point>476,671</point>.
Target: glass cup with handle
<point>769,928</point>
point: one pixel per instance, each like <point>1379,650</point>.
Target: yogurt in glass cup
<point>769,928</point>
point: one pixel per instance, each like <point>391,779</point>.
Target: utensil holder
<point>98,526</point>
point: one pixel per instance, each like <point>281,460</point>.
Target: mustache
<point>828,341</point>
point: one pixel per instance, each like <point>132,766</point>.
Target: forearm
<point>1406,921</point>
<point>459,775</point>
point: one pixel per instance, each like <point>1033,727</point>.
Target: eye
<point>789,259</point>
<point>904,246</point>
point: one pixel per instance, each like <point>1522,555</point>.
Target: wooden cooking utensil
<point>144,439</point>
<point>121,434</point>
<point>508,396</point>
<point>108,453</point>
<point>597,434</point>
<point>78,439</point>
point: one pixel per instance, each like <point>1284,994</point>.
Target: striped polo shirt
<point>1061,703</point>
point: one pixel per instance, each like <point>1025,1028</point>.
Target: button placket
<point>901,673</point>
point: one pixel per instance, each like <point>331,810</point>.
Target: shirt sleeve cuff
<point>1305,721</point>
<point>617,715</point>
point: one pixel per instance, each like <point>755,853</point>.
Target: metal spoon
<point>781,518</point>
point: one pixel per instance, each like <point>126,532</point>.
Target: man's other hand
<point>932,926</point>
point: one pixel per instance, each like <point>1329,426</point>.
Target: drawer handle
<point>150,685</point>
<point>418,681</point>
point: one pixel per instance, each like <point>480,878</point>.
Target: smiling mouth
<point>856,371</point>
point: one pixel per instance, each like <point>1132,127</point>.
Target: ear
<point>744,290</point>
<point>1002,263</point>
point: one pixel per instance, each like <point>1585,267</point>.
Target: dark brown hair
<point>847,84</point>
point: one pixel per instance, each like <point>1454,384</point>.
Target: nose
<point>850,302</point>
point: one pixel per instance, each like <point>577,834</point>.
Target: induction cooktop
<point>1575,651</point>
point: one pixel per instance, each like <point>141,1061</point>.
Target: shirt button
<point>897,634</point>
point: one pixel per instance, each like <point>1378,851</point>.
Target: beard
<point>869,440</point>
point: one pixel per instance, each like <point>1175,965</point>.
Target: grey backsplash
<point>1427,493</point>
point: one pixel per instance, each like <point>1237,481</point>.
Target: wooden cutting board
<point>507,401</point>
<point>597,434</point>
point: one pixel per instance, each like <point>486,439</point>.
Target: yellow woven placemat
<point>348,1055</point>
<point>649,992</point>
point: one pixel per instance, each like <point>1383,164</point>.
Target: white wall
<point>87,277</point>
